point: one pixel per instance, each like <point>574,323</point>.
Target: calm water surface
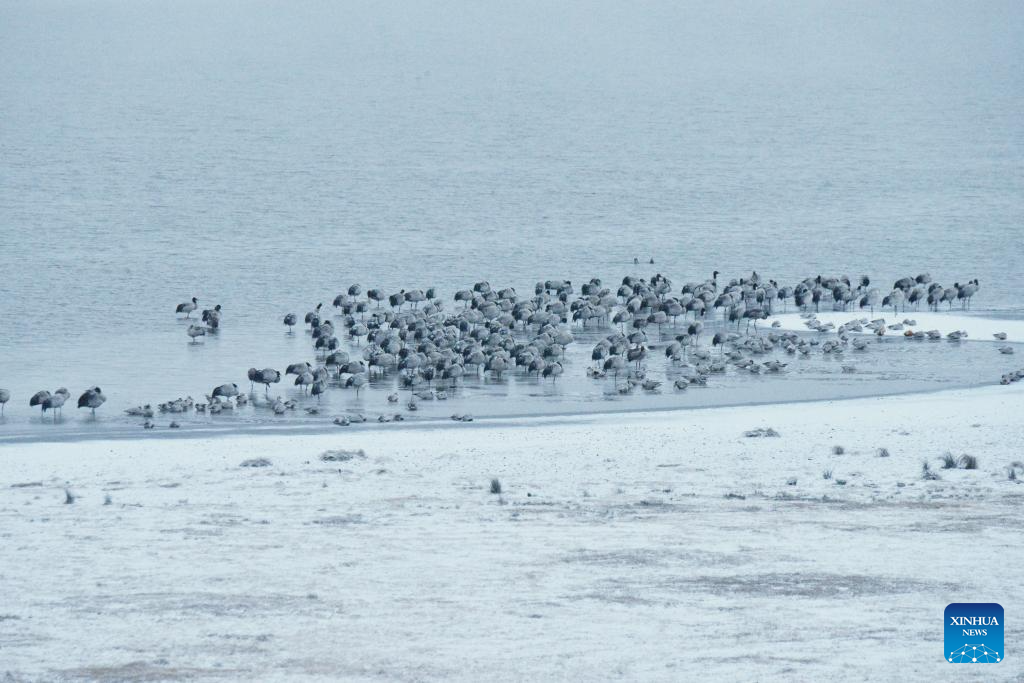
<point>266,155</point>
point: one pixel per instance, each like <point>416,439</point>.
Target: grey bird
<point>268,376</point>
<point>55,401</point>
<point>357,381</point>
<point>38,398</point>
<point>318,387</point>
<point>187,307</point>
<point>92,399</point>
<point>225,391</point>
<point>211,316</point>
<point>195,331</point>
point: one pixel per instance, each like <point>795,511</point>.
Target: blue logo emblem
<point>974,633</point>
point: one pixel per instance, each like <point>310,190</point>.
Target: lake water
<point>266,155</point>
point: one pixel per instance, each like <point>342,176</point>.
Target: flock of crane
<point>496,331</point>
<point>92,398</point>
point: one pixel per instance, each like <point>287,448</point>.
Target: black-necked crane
<point>187,307</point>
<point>194,332</point>
<point>55,402</point>
<point>92,399</point>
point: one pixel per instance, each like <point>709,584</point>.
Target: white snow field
<point>656,547</point>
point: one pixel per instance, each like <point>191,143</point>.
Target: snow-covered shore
<point>644,546</point>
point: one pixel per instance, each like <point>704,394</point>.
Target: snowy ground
<point>662,546</point>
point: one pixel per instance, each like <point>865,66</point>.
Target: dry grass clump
<point>964,462</point>
<point>342,455</point>
<point>760,432</point>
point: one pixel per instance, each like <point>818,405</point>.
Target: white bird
<point>140,411</point>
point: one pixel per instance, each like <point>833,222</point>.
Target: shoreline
<point>116,426</point>
<point>646,546</point>
<point>311,427</point>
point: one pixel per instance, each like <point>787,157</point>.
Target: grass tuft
<point>69,498</point>
<point>883,452</point>
<point>495,486</point>
<point>255,462</point>
<point>838,450</point>
<point>949,461</point>
<point>968,462</point>
<point>342,455</point>
<point>926,472</point>
<point>827,474</point>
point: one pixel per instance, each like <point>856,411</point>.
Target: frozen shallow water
<point>890,365</point>
<point>267,161</point>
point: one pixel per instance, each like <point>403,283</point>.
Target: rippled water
<point>266,155</point>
